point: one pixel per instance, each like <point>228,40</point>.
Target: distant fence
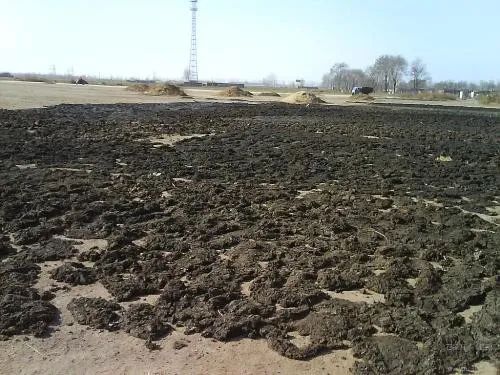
<point>212,84</point>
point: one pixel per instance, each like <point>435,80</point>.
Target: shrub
<point>490,99</point>
<point>34,79</point>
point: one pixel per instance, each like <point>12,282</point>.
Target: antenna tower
<point>193,56</point>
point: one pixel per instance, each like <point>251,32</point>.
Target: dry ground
<point>19,95</point>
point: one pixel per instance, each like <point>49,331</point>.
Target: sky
<point>248,40</point>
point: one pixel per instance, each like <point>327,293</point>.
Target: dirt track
<point>371,231</point>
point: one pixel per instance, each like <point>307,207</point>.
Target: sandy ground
<point>19,95</point>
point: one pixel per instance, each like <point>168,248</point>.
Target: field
<point>207,237</point>
<point>19,95</point>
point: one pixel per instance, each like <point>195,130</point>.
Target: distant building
<point>301,84</point>
<point>145,81</point>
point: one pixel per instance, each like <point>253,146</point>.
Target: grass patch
<point>490,99</point>
<point>431,96</point>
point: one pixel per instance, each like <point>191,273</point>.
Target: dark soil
<point>141,321</point>
<point>233,249</point>
<point>5,248</point>
<point>53,249</point>
<point>22,309</point>
<point>96,312</point>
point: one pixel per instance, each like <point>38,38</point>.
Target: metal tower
<point>193,57</point>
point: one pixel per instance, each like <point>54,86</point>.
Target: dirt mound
<point>303,97</point>
<point>166,89</point>
<point>270,93</point>
<point>234,92</point>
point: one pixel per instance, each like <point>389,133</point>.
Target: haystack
<point>303,97</point>
<point>234,91</point>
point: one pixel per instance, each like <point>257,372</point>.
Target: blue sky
<point>248,40</point>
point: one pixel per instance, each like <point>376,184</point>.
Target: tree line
<point>388,74</point>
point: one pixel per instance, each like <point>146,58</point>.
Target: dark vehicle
<point>81,81</point>
<point>362,90</point>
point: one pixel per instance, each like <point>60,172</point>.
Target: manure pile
<point>235,92</point>
<point>164,89</point>
<point>303,97</point>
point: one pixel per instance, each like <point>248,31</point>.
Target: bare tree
<point>381,70</point>
<point>343,79</point>
<point>373,78</point>
<point>335,77</point>
<point>398,67</point>
<point>327,81</point>
<point>353,78</point>
<point>418,72</point>
<point>390,69</point>
<point>487,85</point>
<point>339,72</point>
